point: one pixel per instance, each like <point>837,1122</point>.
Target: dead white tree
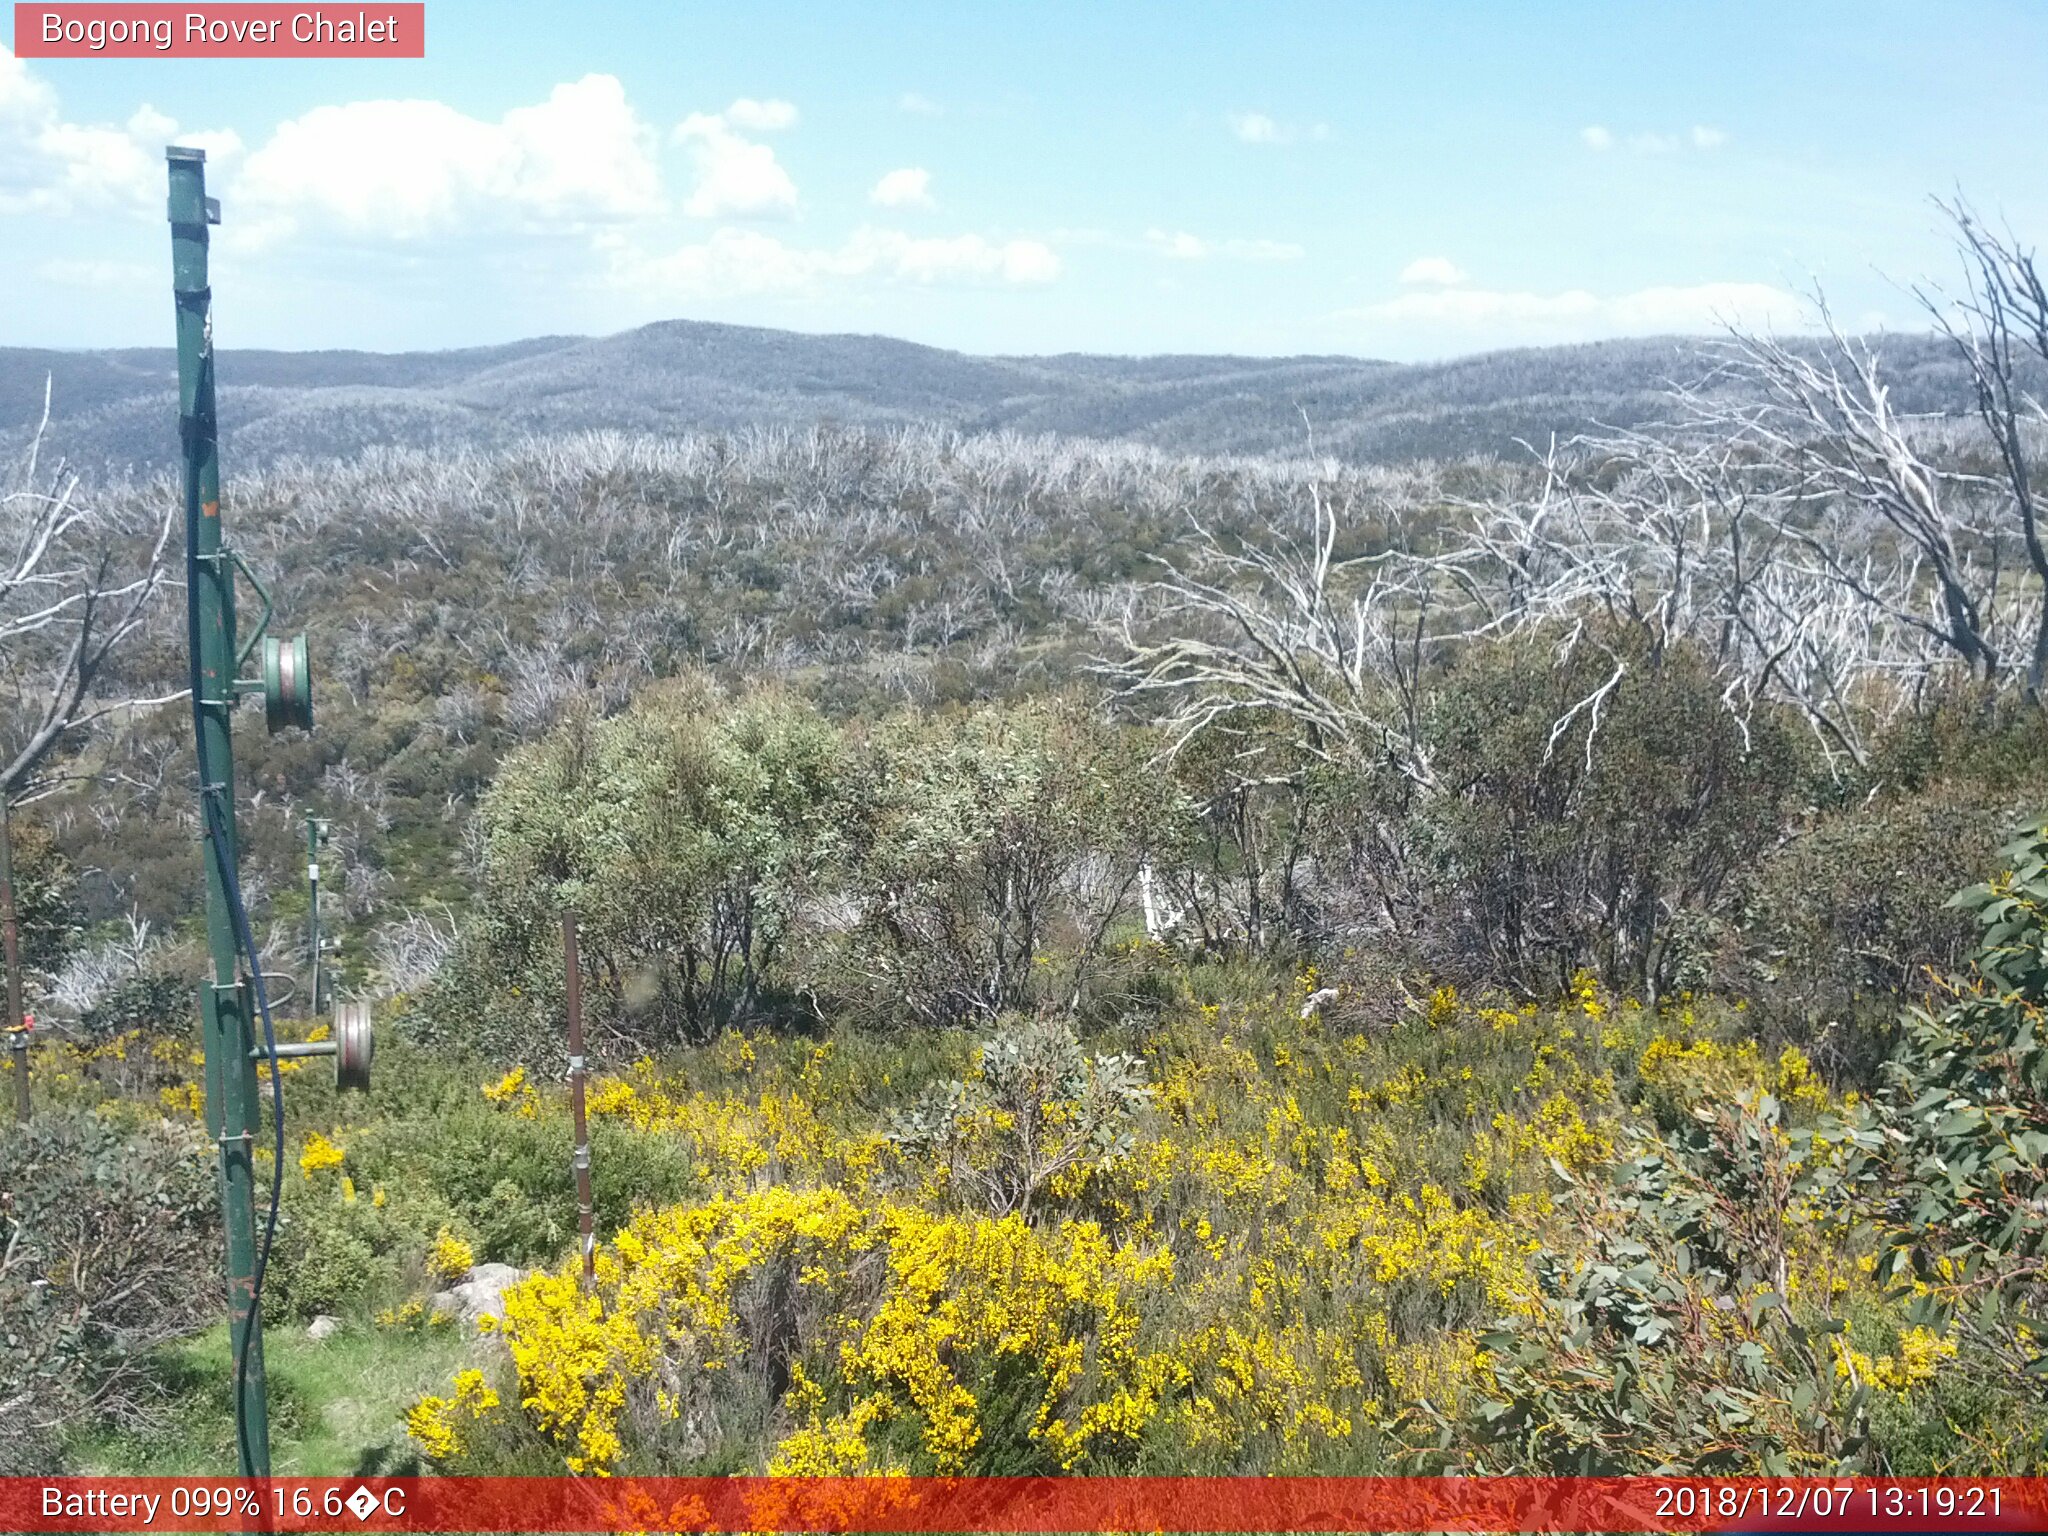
<point>412,950</point>
<point>2000,329</point>
<point>76,581</point>
<point>1279,625</point>
<point>1851,481</point>
<point>1795,535</point>
<point>1680,537</point>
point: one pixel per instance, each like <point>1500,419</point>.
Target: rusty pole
<point>10,941</point>
<point>586,1216</point>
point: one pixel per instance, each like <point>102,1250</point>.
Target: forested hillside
<point>1099,957</point>
<point>118,408</point>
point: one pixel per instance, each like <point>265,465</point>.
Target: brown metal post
<point>586,1215</point>
<point>10,942</point>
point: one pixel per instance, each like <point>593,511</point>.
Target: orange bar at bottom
<point>1069,1504</point>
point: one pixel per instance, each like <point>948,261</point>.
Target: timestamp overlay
<point>1024,1504</point>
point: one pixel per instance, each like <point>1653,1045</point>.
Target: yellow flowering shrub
<point>1310,1235</point>
<point>436,1424</point>
<point>319,1153</point>
<point>1691,1066</point>
<point>450,1258</point>
<point>1912,1361</point>
<point>513,1091</point>
<point>185,1100</point>
<point>910,1313</point>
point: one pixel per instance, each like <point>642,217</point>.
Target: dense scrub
<point>1161,1206</point>
<point>1257,1242</point>
<point>1106,962</point>
<point>108,1218</point>
<point>747,859</point>
<point>463,604</point>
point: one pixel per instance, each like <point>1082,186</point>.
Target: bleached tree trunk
<point>1999,322</point>
<point>74,585</point>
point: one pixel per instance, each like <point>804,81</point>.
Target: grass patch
<point>337,1407</point>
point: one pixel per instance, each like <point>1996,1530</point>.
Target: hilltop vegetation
<point>1101,960</point>
<point>118,408</point>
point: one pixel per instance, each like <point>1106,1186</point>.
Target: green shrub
<point>331,1254</point>
<point>1851,916</point>
<point>1963,732</point>
<point>45,896</point>
<point>688,835</point>
<point>112,1250</point>
<point>1619,842</point>
<point>1964,1187</point>
<point>152,1001</point>
<point>738,859</point>
<point>992,852</point>
<point>1035,1108</point>
<point>500,1178</point>
<point>1667,1342</point>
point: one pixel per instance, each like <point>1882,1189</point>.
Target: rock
<point>482,1295</point>
<point>322,1327</point>
<point>1316,1000</point>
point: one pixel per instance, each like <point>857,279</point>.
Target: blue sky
<point>1408,181</point>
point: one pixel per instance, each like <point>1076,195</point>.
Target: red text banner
<point>1023,1504</point>
<point>212,31</point>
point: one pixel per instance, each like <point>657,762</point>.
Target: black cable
<point>217,840</point>
<point>247,943</point>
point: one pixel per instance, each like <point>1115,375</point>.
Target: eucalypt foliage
<point>1035,1108</point>
<point>1665,1339</point>
<point>1967,1113</point>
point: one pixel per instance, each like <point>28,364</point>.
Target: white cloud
<point>761,116</point>
<point>1179,245</point>
<point>1255,128</point>
<point>732,263</point>
<point>1462,317</point>
<point>584,151</point>
<point>909,187</point>
<point>735,176</point>
<point>402,168</point>
<point>410,169</point>
<point>52,166</point>
<point>25,101</point>
<point>580,161</point>
<point>146,123</point>
<point>741,262</point>
<point>918,104</point>
<point>1433,271</point>
<point>1259,128</point>
<point>955,259</point>
<point>95,167</point>
<point>1599,137</point>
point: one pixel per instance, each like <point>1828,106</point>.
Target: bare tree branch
<point>76,583</point>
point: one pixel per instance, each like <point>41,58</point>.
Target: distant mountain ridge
<point>118,408</point>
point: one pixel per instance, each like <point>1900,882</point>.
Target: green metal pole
<point>233,1111</point>
<point>313,905</point>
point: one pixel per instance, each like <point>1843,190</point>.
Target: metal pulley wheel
<point>353,1046</point>
<point>287,684</point>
